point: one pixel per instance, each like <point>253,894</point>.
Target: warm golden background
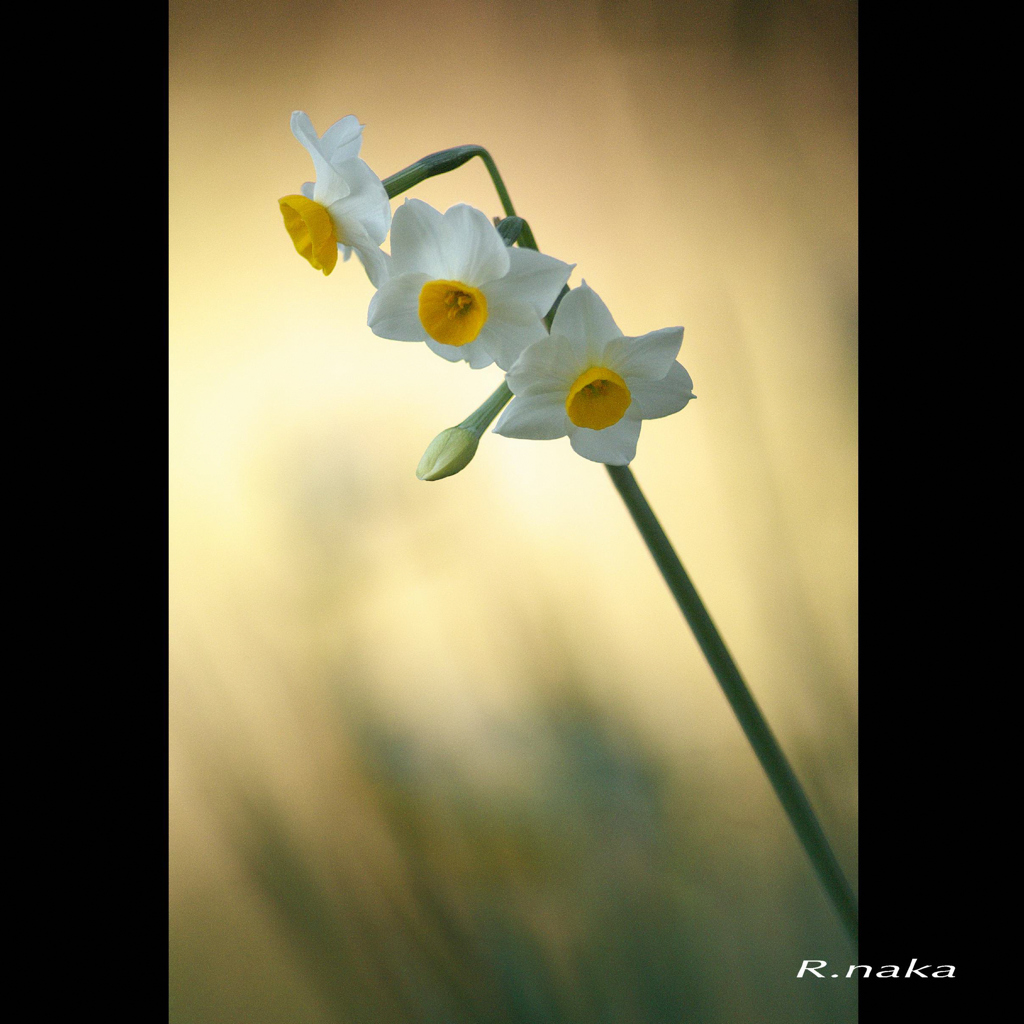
<point>447,752</point>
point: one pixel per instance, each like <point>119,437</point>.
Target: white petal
<point>307,189</point>
<point>374,262</point>
<point>534,417</point>
<point>419,241</point>
<point>584,319</point>
<point>342,141</point>
<point>614,446</point>
<point>477,254</point>
<point>479,357</point>
<point>648,357</point>
<point>549,366</point>
<point>532,278</point>
<point>367,202</point>
<point>352,235</point>
<point>474,353</point>
<point>395,309</point>
<point>330,185</point>
<point>303,130</point>
<point>511,328</point>
<point>663,397</point>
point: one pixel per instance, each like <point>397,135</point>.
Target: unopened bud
<point>449,453</point>
<point>510,229</point>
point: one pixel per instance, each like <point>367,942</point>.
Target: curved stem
<point>499,184</point>
<point>440,163</point>
<point>447,160</point>
<point>785,783</point>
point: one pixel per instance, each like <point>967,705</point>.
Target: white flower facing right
<point>593,384</point>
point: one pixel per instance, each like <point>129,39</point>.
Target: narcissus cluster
<point>479,292</point>
<point>452,282</point>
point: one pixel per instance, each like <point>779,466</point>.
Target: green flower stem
<point>441,163</point>
<point>477,422</point>
<point>526,239</point>
<point>785,783</point>
<point>549,317</point>
<point>448,160</point>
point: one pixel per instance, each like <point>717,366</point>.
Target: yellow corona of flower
<point>455,285</point>
<point>346,209</point>
<point>593,384</point>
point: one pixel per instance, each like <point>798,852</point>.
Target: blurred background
<point>447,752</point>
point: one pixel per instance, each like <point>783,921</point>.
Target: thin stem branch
<point>785,783</point>
<point>479,420</point>
<point>447,160</point>
<point>442,162</point>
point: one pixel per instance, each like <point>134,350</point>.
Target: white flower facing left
<point>346,208</point>
<point>593,384</point>
<point>455,285</point>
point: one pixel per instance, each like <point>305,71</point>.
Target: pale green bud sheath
<point>453,449</point>
<point>449,453</point>
<point>510,229</point>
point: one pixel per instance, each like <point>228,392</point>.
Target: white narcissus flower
<point>593,384</point>
<point>346,207</point>
<point>455,285</point>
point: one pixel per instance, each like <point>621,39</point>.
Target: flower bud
<point>449,453</point>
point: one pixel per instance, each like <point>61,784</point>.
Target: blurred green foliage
<point>589,884</point>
